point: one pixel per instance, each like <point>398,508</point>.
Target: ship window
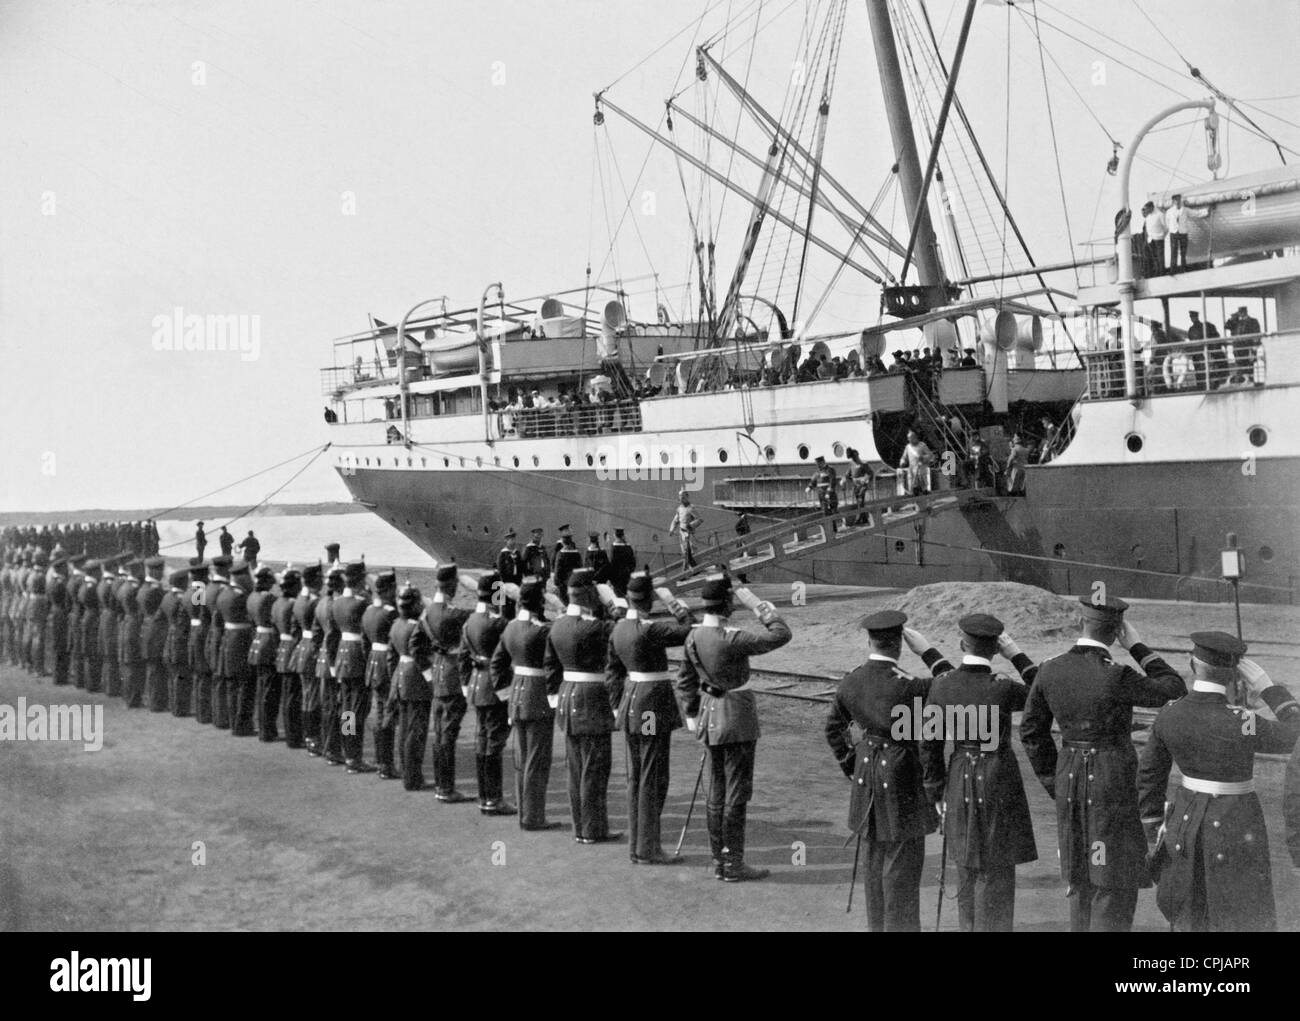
<point>497,461</point>
<point>769,452</point>
<point>899,545</point>
<point>590,460</point>
<point>693,455</point>
<point>516,462</point>
<point>637,457</point>
<point>410,462</point>
<point>567,460</point>
<point>602,459</point>
<point>537,461</point>
<point>446,462</point>
<point>1134,442</point>
<point>424,462</point>
<point>462,462</point>
<point>838,450</point>
<point>478,462</point>
<point>1058,550</point>
<point>663,456</point>
<point>1266,553</point>
<point>722,455</point>
<point>485,529</point>
<point>803,452</point>
<point>1257,435</point>
<point>367,462</point>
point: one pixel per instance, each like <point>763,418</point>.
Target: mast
<point>929,273</point>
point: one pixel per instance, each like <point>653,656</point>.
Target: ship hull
<point>1150,530</point>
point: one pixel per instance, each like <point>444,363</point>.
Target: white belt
<point>286,638</point>
<point>406,659</point>
<point>195,622</point>
<point>582,677</point>
<point>657,675</point>
<point>351,636</point>
<point>528,671</point>
<point>262,629</point>
<point>1219,786</point>
<point>237,627</point>
<point>378,647</point>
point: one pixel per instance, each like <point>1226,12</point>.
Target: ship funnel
<point>999,331</point>
<point>611,320</point>
<point>552,308</point>
<point>941,335</point>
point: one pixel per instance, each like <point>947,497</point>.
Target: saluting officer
<point>622,562</point>
<point>262,655</point>
<point>536,561</point>
<point>218,581</point>
<point>175,611</point>
<point>478,641</point>
<point>289,633</point>
<point>304,655</point>
<point>236,642</point>
<point>443,622</point>
<point>196,648</point>
<point>130,653</point>
<point>1094,777</point>
<point>153,635</point>
<point>1212,857</point>
<point>376,624</point>
<point>576,657</point>
<point>987,827</point>
<point>517,667</point>
<point>888,809</point>
<point>412,684</point>
<point>721,710</point>
<point>642,687</point>
<point>327,637</point>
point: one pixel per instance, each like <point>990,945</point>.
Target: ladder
<point>800,536</point>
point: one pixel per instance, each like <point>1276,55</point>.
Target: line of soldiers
<point>614,565</point>
<point>1209,847</point>
<point>316,649</point>
<point>95,538</point>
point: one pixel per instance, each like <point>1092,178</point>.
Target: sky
<point>310,162</point>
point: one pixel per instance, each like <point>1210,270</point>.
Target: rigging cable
<point>1056,152</point>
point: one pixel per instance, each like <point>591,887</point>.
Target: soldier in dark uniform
<point>226,541</point>
<point>75,651</point>
<point>288,636</point>
<point>130,653</point>
<point>577,654</point>
<point>568,558</point>
<point>517,667</point>
<point>6,599</point>
<point>412,684</point>
<point>642,688</point>
<point>175,612</point>
<point>595,559</point>
<point>510,562</point>
<point>478,641</point>
<point>37,610</point>
<point>720,709</point>
<point>196,647</point>
<point>536,561</point>
<point>236,642</point>
<point>987,827</point>
<point>262,655</point>
<point>304,655</point>
<point>56,624</point>
<point>200,541</point>
<point>327,637</point>
<point>332,556</point>
<point>622,562</point>
<point>218,581</point>
<point>88,625</point>
<point>348,608</point>
<point>1094,776</point>
<point>888,809</point>
<point>153,635</point>
<point>376,624</point>
<point>443,622</point>
<point>1212,857</point>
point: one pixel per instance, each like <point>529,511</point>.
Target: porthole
<point>410,462</point>
<point>590,460</point>
<point>1134,442</point>
<point>769,452</point>
<point>899,546</point>
<point>1257,435</point>
<point>537,461</point>
<point>694,455</point>
<point>478,462</point>
<point>1266,553</point>
<point>424,462</point>
<point>395,463</point>
<point>485,529</point>
<point>603,458</point>
<point>803,452</point>
<point>838,450</point>
<point>1058,550</point>
<point>663,457</point>
<point>367,462</point>
<point>637,457</point>
<point>462,462</point>
<point>516,462</point>
<point>722,455</point>
<point>497,461</point>
<point>567,460</point>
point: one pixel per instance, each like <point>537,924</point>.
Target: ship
<point>1166,464</point>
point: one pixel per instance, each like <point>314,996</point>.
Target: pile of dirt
<point>1029,613</point>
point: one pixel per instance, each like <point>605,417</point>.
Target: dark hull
<point>1153,531</point>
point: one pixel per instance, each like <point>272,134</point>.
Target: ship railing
<point>339,378</point>
<point>1206,365</point>
<point>622,416</point>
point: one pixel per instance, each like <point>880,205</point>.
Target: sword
<point>853,879</point>
<point>699,778</point>
<point>943,869</point>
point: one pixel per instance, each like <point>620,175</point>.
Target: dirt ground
<point>104,840</point>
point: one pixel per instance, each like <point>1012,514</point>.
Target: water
<point>301,538</point>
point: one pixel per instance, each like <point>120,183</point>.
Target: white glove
<point>428,675</point>
<point>916,641</point>
<point>692,724</point>
<point>503,694</point>
<point>1253,678</point>
<point>553,701</point>
<point>464,690</point>
<point>764,610</point>
<point>1007,646</point>
<point>1128,635</point>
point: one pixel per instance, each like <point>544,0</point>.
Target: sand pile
<point>1029,613</point>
